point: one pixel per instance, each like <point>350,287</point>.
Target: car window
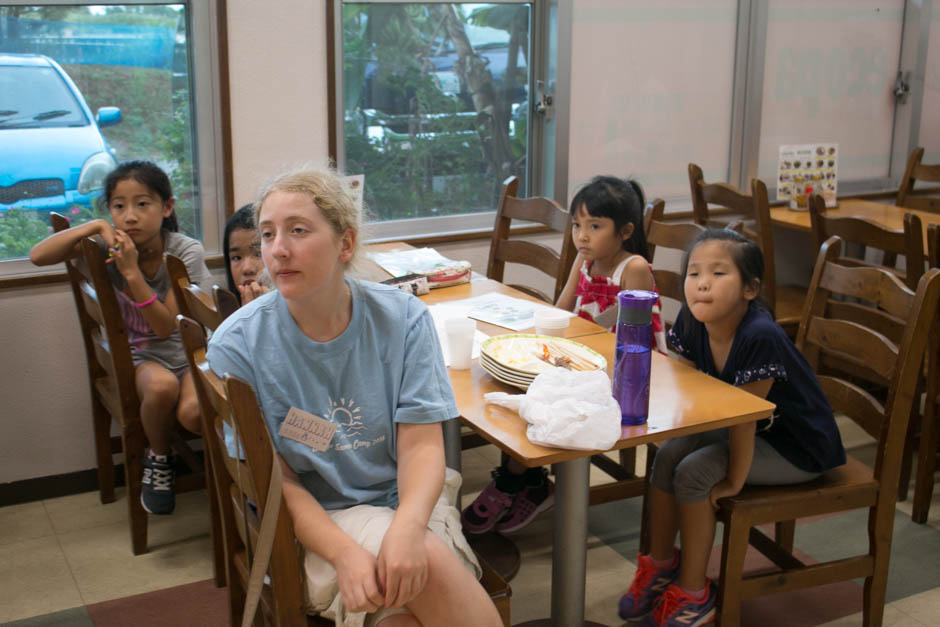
<point>37,97</point>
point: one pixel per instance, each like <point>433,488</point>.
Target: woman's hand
<point>251,291</point>
<point>124,254</point>
<point>358,583</point>
<point>403,563</point>
<point>720,490</point>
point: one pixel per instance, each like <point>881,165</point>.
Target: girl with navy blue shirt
<point>724,331</point>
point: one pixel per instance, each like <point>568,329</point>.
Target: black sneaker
<point>157,494</point>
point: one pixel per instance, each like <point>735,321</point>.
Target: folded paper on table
<point>439,270</point>
<point>504,311</point>
<point>567,409</point>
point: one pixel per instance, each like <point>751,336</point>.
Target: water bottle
<point>632,362</point>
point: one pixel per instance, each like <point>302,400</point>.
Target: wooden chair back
<point>106,351</point>
<point>928,440</point>
<point>225,301</point>
<point>908,242</point>
<point>853,485</point>
<point>192,301</point>
<point>933,245</point>
<point>674,235</point>
<point>243,479</point>
<point>752,212</point>
<point>503,249</point>
<point>917,171</point>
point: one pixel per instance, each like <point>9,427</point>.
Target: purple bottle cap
<point>637,299</point>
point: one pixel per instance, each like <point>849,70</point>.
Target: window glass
<point>829,71</point>
<point>651,88</point>
<point>436,104</point>
<point>95,85</point>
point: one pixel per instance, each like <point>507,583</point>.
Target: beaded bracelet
<point>149,301</point>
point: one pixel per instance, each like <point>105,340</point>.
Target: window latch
<point>543,100</point>
<point>902,87</point>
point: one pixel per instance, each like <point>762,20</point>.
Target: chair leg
<point>101,422</point>
<point>907,456</point>
<point>880,529</point>
<point>784,533</point>
<point>133,440</point>
<point>926,463</point>
<point>215,524</point>
<point>734,547</point>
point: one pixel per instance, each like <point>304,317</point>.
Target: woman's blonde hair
<point>325,187</point>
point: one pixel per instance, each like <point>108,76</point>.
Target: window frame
<point>208,62</point>
<point>454,226</point>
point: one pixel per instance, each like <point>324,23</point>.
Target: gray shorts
<point>690,466</point>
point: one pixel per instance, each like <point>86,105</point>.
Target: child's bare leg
<point>187,411</point>
<point>697,532</point>
<point>451,596</point>
<point>158,389</point>
<point>663,524</point>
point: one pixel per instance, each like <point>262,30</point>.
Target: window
<point>651,86</point>
<point>828,77</point>
<point>435,102</point>
<point>83,87</point>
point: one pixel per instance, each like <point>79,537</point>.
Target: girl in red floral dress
<point>607,229</point>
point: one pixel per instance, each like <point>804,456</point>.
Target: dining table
<point>888,216</point>
<point>683,401</point>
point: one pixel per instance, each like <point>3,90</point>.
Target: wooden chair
<point>853,485</point>
<point>917,171</point>
<point>786,301</point>
<point>112,387</point>
<point>194,302</point>
<point>909,242</point>
<point>929,439</point>
<point>502,249</point>
<point>232,402</point>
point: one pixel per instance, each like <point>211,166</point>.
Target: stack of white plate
<point>516,359</point>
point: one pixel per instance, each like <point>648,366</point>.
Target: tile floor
<point>72,551</point>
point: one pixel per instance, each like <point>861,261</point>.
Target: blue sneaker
<point>648,585</point>
<point>677,609</point>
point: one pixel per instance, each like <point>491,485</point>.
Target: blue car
<point>52,154</point>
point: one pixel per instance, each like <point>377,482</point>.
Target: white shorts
<point>367,524</point>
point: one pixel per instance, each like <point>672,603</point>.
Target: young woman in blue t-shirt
<point>724,331</point>
<point>367,506</point>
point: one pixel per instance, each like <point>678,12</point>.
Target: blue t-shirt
<point>803,429</point>
<point>385,368</point>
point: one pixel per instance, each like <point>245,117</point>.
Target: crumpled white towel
<point>567,408</point>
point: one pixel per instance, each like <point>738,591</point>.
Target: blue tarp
<point>90,44</point>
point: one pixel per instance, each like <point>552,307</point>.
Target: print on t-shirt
<point>351,431</point>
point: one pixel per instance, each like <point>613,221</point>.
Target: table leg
<point>569,554</point>
<point>569,549</point>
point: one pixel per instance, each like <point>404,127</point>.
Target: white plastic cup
<point>551,322</point>
<point>460,332</point>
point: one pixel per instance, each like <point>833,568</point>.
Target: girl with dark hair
<point>139,197</point>
<point>607,229</point>
<point>241,246</point>
<point>723,331</point>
